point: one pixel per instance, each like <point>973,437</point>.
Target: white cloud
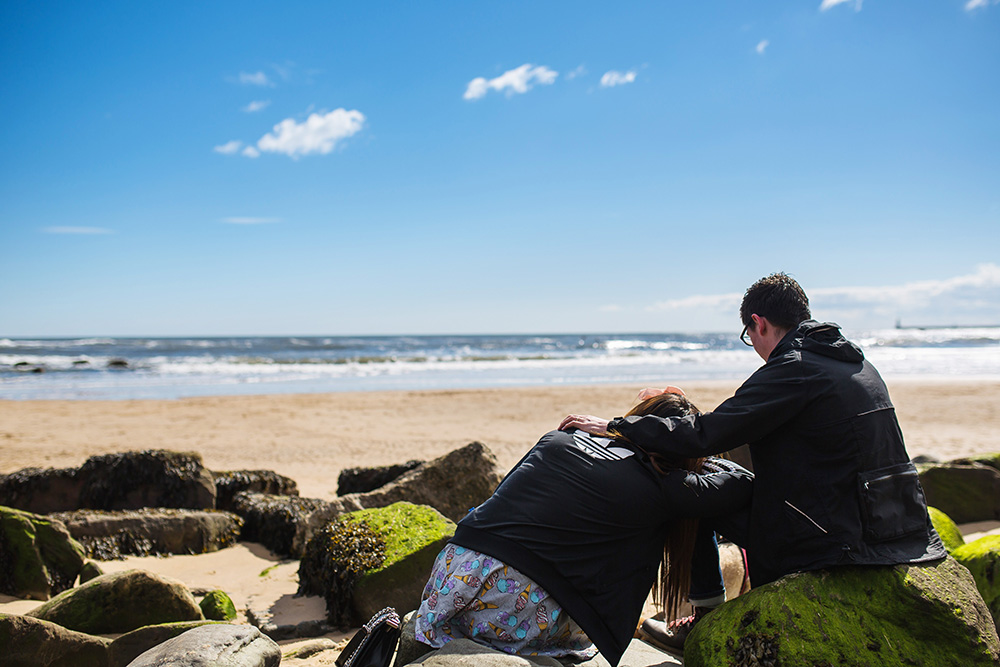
<point>255,79</point>
<point>917,293</point>
<point>615,78</point>
<point>827,4</point>
<point>229,147</point>
<point>256,105</point>
<point>701,301</point>
<point>518,80</point>
<point>957,300</point>
<point>973,5</point>
<point>319,133</point>
<point>762,46</point>
<point>250,151</point>
<point>579,71</point>
<point>236,220</point>
<point>77,230</point>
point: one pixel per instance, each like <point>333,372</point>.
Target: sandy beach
<point>312,437</point>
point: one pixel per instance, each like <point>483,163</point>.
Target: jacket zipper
<point>808,517</point>
<point>897,474</point>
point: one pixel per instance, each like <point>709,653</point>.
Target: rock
<point>218,606</point>
<point>91,570</point>
<point>982,557</point>
<point>130,480</point>
<point>362,480</point>
<point>120,602</point>
<point>467,653</point>
<point>991,460</point>
<point>309,649</point>
<point>30,642</point>
<point>951,536</point>
<point>117,363</point>
<point>409,649</point>
<point>414,535</point>
<point>274,521</point>
<point>41,490</point>
<point>38,557</point>
<point>151,478</point>
<point>966,493</point>
<point>334,561</point>
<point>214,646</point>
<point>410,538</point>
<point>131,645</point>
<point>274,620</point>
<point>451,484</point>
<point>853,617</point>
<point>231,482</point>
<point>151,531</point>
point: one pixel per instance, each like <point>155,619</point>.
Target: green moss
<point>218,606</point>
<point>38,557</point>
<point>851,617</point>
<point>946,528</point>
<point>405,527</point>
<point>26,641</point>
<point>991,460</point>
<point>120,602</point>
<point>982,557</point>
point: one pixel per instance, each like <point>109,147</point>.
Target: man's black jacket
<point>834,484</point>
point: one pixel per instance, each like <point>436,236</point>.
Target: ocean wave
<point>54,343</point>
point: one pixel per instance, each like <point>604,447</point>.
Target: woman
<point>560,559</point>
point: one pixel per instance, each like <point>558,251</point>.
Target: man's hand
<point>588,423</point>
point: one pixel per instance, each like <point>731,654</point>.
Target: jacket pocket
<point>892,502</point>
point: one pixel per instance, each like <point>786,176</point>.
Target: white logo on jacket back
<point>600,448</point>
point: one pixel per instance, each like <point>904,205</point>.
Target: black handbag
<point>374,644</point>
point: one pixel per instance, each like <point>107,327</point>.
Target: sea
<point>110,368</point>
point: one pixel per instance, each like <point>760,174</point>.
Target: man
<point>834,484</point>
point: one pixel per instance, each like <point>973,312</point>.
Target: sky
<point>297,168</point>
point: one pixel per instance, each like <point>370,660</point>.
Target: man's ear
<point>760,324</point>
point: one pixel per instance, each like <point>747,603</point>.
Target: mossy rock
<point>218,606</point>
<point>131,645</point>
<point>982,557</point>
<point>414,535</point>
<point>121,602</point>
<point>951,536</point>
<point>31,642</point>
<point>91,570</point>
<point>38,557</point>
<point>991,460</point>
<point>966,493</point>
<point>853,616</point>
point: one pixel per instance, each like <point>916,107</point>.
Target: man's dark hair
<point>778,298</point>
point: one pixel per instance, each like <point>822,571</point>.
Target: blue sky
<point>452,167</point>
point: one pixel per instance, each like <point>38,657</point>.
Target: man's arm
<point>693,495</point>
<point>768,399</point>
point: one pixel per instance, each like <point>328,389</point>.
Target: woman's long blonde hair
<point>671,586</point>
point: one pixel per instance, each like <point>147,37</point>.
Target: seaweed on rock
<point>334,561</point>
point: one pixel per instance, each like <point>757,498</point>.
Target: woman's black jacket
<point>586,518</point>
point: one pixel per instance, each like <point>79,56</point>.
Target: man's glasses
<point>746,338</point>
